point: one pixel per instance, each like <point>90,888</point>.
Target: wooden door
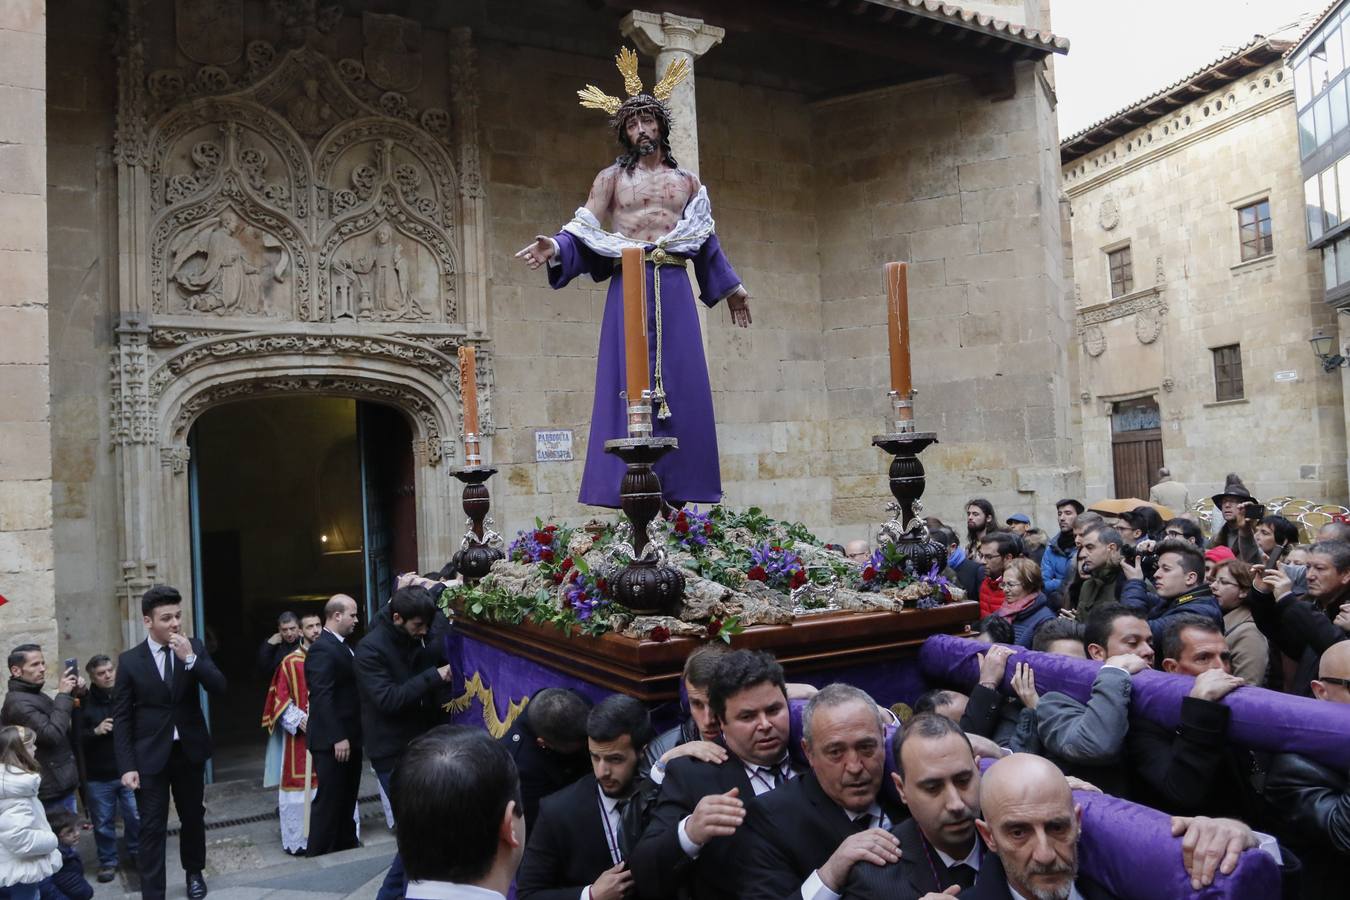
<point>1136,446</point>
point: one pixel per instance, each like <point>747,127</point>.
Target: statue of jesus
<point>649,202</point>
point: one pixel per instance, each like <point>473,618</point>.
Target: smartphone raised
<point>72,665</point>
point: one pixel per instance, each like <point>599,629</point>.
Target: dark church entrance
<point>294,499</point>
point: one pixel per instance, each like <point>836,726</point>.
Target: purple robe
<point>691,473</point>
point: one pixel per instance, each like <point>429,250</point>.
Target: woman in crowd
<point>29,849</point>
<point>1251,652</point>
<point>1025,606</point>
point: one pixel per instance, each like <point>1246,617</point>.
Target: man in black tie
<point>802,839</point>
<point>161,739</point>
<point>937,777</point>
<point>334,729</point>
<point>576,846</point>
<point>690,841</point>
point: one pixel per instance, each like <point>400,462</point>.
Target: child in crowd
<point>28,848</point>
<point>68,882</point>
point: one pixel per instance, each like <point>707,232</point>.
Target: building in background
<point>1196,292</point>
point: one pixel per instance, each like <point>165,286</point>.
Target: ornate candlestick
<point>645,583</point>
<point>907,530</point>
<point>479,549</point>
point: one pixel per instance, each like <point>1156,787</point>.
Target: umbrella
<point>1114,507</point>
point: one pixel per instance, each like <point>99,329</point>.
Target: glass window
<point>1331,204</point>
<point>1322,120</point>
<point>1254,230</point>
<point>1334,61</point>
<point>1318,60</point>
<point>1343,183</point>
<point>1307,138</point>
<point>1343,261</point>
<point>1303,83</point>
<point>1329,265</point>
<point>1338,107</point>
<point>1122,271</point>
<point>1313,205</point>
<point>1228,372</point>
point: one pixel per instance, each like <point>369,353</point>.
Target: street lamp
<point>1322,346</point>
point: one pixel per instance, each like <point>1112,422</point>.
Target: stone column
<point>669,37</point>
<point>26,572</point>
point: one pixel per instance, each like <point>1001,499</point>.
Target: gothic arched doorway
<point>293,499</point>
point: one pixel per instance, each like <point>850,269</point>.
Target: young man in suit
<point>802,839</point>
<point>456,774</point>
<point>939,780</point>
<point>576,846</point>
<point>334,729</point>
<point>548,744</point>
<point>1031,826</point>
<point>690,839</point>
<point>161,739</point>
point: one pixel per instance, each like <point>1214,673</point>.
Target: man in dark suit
<point>1031,826</point>
<point>576,846</point>
<point>334,729</point>
<point>937,777</point>
<point>690,841</point>
<point>548,744</point>
<point>161,739</point>
<point>802,839</point>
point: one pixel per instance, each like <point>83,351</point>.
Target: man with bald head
<point>1312,801</point>
<point>1031,826</point>
<point>334,728</point>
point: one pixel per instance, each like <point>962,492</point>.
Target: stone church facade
<point>206,202</point>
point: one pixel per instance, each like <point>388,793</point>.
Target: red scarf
<point>1011,608</point>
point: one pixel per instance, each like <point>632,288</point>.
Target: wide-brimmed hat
<point>1237,491</point>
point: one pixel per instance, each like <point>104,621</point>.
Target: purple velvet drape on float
<point>691,473</point>
<point>1261,719</point>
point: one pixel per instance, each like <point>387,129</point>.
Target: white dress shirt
<point>157,652</point>
<point>448,890</point>
<point>973,858</point>
<point>613,825</point>
<point>341,640</point>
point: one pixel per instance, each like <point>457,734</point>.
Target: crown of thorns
<point>627,62</point>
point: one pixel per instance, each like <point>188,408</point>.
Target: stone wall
<point>25,430</point>
<point>964,188</point>
<point>1171,190</point>
<point>82,267</point>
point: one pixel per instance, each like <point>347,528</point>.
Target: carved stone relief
<point>1108,217</point>
<point>210,31</point>
<point>1094,341</point>
<point>1148,325</point>
<point>392,54</point>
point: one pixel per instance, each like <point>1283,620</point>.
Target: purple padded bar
<point>1261,719</point>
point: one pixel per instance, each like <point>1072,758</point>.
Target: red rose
<point>544,537</point>
<point>707,528</point>
<point>660,634</point>
<point>681,526</point>
<point>550,527</point>
<point>757,573</point>
<point>576,574</point>
<point>893,575</point>
<point>799,578</point>
<point>566,563</point>
<point>602,584</point>
<point>869,573</point>
<point>777,549</point>
<point>546,555</point>
<point>557,578</point>
<point>714,626</point>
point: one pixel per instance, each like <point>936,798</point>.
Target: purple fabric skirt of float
<point>1260,720</point>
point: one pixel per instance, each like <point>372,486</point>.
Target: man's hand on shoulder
<point>704,750</point>
<point>875,845</point>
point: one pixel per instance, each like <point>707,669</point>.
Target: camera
<point>1146,561</point>
<point>1253,511</point>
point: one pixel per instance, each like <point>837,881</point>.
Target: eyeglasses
<point>1343,682</point>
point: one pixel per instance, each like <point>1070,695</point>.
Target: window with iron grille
<point>1122,272</point>
<point>1228,372</point>
<point>1254,230</point>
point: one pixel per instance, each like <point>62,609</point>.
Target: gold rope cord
<point>475,689</point>
<point>660,257</point>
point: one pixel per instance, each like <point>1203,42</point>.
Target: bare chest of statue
<point>649,202</point>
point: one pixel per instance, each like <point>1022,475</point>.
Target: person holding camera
<point>48,717</point>
<point>1178,583</point>
<point>1241,512</point>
